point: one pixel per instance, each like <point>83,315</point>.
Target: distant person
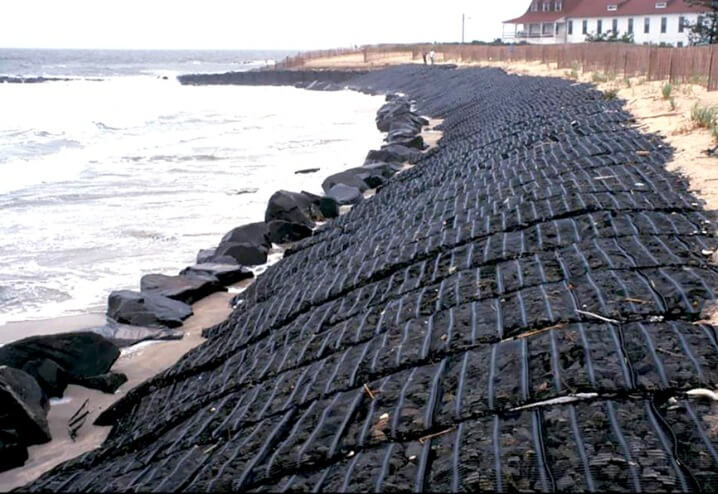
<point>431,56</point>
<point>423,55</point>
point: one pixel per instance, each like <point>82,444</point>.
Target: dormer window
<point>534,6</point>
<point>557,6</point>
<point>661,5</point>
<point>612,7</point>
<point>546,7</point>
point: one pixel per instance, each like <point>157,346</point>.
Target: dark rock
<point>52,378</point>
<point>124,335</point>
<point>294,207</point>
<point>416,142</point>
<point>349,177</point>
<point>183,288</point>
<point>345,194</point>
<point>77,354</point>
<point>145,309</point>
<point>23,416</point>
<point>252,233</point>
<point>387,170</point>
<point>205,255</point>
<point>226,274</point>
<point>329,207</point>
<point>243,253</point>
<point>13,453</point>
<point>107,382</point>
<point>306,170</point>
<point>396,108</point>
<point>395,153</point>
<point>283,231</point>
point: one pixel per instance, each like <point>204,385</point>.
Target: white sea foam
<point>156,174</point>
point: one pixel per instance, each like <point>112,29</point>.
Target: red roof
<point>541,16</point>
<point>599,8</point>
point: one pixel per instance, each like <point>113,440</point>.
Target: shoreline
<point>139,362</point>
<point>433,324</point>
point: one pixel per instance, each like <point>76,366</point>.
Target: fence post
<point>625,65</point>
<point>709,83</point>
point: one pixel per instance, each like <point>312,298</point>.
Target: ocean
<point>120,171</point>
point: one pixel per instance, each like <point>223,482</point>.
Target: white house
<point>570,21</point>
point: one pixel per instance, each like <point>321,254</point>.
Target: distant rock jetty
<point>309,79</point>
<point>29,80</point>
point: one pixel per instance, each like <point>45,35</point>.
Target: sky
<point>244,24</point>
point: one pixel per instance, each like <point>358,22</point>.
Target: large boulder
<point>242,253</point>
<point>23,416</point>
<point>294,207</point>
<point>345,194</point>
<point>107,382</point>
<point>351,177</point>
<point>146,309</point>
<point>329,207</point>
<point>283,231</point>
<point>252,233</point>
<point>205,255</point>
<point>226,274</point>
<point>183,288</point>
<point>124,335</point>
<point>393,153</point>
<point>386,170</point>
<point>392,110</point>
<point>415,142</point>
<point>55,361</point>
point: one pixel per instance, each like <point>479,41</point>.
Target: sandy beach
<point>138,363</point>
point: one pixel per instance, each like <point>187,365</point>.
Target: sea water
<point>121,171</point>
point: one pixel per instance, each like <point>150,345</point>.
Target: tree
<point>705,30</point>
<point>610,36</point>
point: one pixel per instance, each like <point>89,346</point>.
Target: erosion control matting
<point>517,311</point>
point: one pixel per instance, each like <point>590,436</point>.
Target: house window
<point>547,29</point>
<point>558,5</point>
<point>664,24</point>
<point>546,6</point>
<point>599,26</point>
<point>615,25</point>
<point>647,25</point>
<point>661,5</point>
<point>700,20</point>
<point>612,7</point>
<point>570,28</point>
<point>630,25</point>
<point>679,44</point>
<point>534,6</point>
<point>681,23</point>
<point>585,27</point>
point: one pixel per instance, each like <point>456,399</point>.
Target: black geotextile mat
<point>518,311</point>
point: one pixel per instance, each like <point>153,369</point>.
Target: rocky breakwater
<point>521,310</point>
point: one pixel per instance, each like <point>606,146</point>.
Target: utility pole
<point>463,20</point>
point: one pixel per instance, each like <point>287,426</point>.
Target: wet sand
<point>139,362</point>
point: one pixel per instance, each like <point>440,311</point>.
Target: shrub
<point>666,90</point>
<point>599,77</point>
<point>610,94</point>
<point>704,116</point>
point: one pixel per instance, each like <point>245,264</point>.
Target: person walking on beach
<point>423,55</point>
<point>431,57</point>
